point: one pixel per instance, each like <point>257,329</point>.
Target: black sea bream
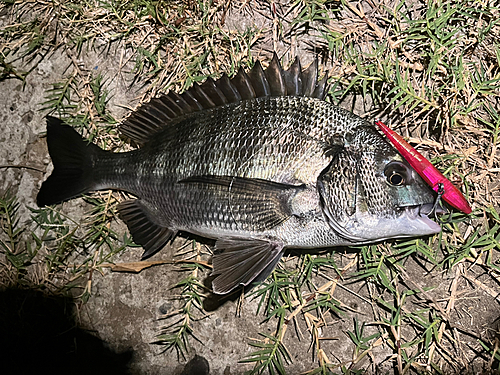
<point>260,163</point>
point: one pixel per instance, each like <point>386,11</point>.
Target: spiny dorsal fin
<point>275,77</point>
<point>293,79</point>
<point>256,83</point>
<point>259,81</point>
<point>310,78</point>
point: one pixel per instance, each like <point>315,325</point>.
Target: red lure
<point>426,170</point>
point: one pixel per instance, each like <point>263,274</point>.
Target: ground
<point>73,297</point>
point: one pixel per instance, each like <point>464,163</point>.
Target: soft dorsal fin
<point>274,81</point>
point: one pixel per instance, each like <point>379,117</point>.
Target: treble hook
<point>440,193</point>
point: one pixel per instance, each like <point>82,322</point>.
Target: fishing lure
<point>427,171</point>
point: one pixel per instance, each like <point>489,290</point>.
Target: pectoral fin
<point>253,204</point>
<point>239,261</point>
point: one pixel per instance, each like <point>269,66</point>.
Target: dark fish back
<point>281,139</point>
<point>160,112</point>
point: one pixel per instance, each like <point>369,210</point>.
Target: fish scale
<point>221,152</point>
<point>226,158</point>
<point>280,168</point>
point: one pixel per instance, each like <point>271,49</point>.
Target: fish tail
<point>73,159</point>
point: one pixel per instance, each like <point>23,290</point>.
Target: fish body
<point>260,163</point>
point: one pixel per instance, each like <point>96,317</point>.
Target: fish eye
<point>396,174</point>
<point>395,179</point>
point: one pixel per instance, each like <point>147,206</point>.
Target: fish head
<point>369,192</point>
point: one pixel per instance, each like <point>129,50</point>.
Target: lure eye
<point>396,174</point>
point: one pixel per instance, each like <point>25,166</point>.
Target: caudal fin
<point>73,159</point>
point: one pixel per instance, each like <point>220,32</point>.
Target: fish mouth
<point>425,209</point>
<point>409,221</point>
<point>419,217</point>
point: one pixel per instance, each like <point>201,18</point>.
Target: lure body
<point>426,170</point>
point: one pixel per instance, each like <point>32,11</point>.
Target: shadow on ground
<point>39,334</point>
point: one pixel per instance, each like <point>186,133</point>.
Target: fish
<point>439,183</point>
<point>259,164</point>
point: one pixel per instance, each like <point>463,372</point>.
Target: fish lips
<point>410,221</point>
<point>418,217</point>
<point>425,209</point>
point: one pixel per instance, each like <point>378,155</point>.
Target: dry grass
<point>430,69</point>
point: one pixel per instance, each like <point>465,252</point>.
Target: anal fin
<point>239,261</point>
<point>143,227</point>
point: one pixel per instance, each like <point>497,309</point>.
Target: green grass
<point>430,69</point>
<point>178,331</point>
